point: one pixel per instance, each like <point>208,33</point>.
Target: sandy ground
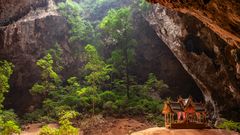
<point>164,131</point>
<point>108,126</point>
<point>33,129</point>
<point>127,126</point>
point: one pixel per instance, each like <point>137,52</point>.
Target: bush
<point>65,128</point>
<point>9,127</point>
<point>230,125</point>
<point>156,119</point>
<point>8,115</point>
<point>110,107</point>
<point>33,116</point>
<point>46,130</point>
<point>108,96</point>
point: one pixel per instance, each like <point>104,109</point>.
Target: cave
<point>206,1</point>
<point>138,58</point>
<point>194,44</point>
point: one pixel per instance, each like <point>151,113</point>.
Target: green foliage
<point>103,84</point>
<point>155,119</point>
<point>5,73</point>
<point>81,29</point>
<point>9,127</point>
<point>144,5</point>
<point>34,116</point>
<point>119,29</point>
<point>8,115</point>
<point>230,125</point>
<point>117,24</point>
<point>108,96</point>
<point>46,64</point>
<point>46,130</point>
<point>65,128</point>
<point>99,70</point>
<point>49,78</point>
<point>98,74</point>
<point>139,106</point>
<point>8,124</point>
<point>153,84</point>
<point>56,53</point>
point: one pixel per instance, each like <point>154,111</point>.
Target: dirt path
<point>164,131</point>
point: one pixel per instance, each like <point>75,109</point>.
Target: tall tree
<point>81,29</point>
<point>49,78</point>
<point>118,27</point>
<point>5,73</point>
<point>98,73</point>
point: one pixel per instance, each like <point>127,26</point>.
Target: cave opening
<point>152,55</point>
<point>194,44</point>
<point>206,1</point>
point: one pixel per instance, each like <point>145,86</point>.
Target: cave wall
<point>205,56</point>
<point>32,27</point>
<point>221,16</point>
<point>13,10</point>
<point>153,56</point>
<point>24,41</point>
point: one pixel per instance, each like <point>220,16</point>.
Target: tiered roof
<point>183,105</point>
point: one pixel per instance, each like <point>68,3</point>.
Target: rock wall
<point>153,56</point>
<point>221,16</point>
<point>24,41</point>
<point>204,55</point>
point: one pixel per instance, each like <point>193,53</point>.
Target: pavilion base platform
<point>186,126</point>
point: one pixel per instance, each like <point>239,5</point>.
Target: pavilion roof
<point>199,107</point>
<point>176,107</point>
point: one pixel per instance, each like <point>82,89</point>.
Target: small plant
<point>46,130</point>
<point>9,127</point>
<point>230,125</point>
<point>65,128</point>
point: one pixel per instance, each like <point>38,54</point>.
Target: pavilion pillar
<point>170,118</point>
<point>165,117</point>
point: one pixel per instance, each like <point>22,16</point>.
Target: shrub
<point>107,96</point>
<point>156,119</point>
<point>65,128</point>
<point>8,115</point>
<point>5,73</point>
<point>230,125</point>
<point>9,127</point>
<point>110,107</point>
<point>33,116</point>
<point>46,130</point>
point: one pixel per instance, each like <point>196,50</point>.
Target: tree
<point>5,73</point>
<point>7,126</point>
<point>153,84</point>
<point>81,29</point>
<point>49,78</point>
<point>98,73</point>
<point>119,29</point>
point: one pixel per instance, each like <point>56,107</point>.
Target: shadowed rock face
<point>153,56</point>
<point>24,42</point>
<point>221,16</point>
<point>13,10</point>
<point>204,55</point>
